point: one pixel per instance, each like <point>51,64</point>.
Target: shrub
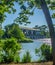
<point>45,53</point>
<point>26,58</point>
<point>10,50</point>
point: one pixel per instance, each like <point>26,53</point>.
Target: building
<point>32,33</point>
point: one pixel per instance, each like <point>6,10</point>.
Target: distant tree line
<point>43,29</point>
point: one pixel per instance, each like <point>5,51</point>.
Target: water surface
<point>31,48</point>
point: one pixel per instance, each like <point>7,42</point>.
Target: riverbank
<point>45,40</point>
<point>25,40</point>
<point>45,63</point>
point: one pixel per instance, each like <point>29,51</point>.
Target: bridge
<point>32,33</point>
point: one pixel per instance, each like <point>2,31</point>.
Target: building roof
<point>27,28</point>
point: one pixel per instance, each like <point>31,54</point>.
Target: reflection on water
<point>31,48</point>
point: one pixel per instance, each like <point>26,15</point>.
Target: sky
<point>37,19</point>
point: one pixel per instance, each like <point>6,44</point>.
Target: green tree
<point>13,30</point>
<point>43,29</point>
<point>36,27</point>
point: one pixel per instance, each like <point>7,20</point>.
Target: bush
<point>45,53</point>
<point>10,50</point>
<point>1,52</point>
<point>26,58</point>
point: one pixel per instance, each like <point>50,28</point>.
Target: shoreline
<point>45,40</point>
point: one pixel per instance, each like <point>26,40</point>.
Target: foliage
<point>8,6</point>
<point>43,29</point>
<point>53,15</point>
<point>1,33</point>
<point>28,7</point>
<point>13,30</point>
<point>9,50</point>
<point>1,50</point>
<point>26,58</point>
<point>45,53</point>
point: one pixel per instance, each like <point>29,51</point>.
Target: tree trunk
<point>50,25</point>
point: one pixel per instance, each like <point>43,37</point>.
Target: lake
<point>31,48</point>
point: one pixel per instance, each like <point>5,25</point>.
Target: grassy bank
<point>26,40</point>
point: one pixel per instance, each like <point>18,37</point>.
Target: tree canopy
<point>27,7</point>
